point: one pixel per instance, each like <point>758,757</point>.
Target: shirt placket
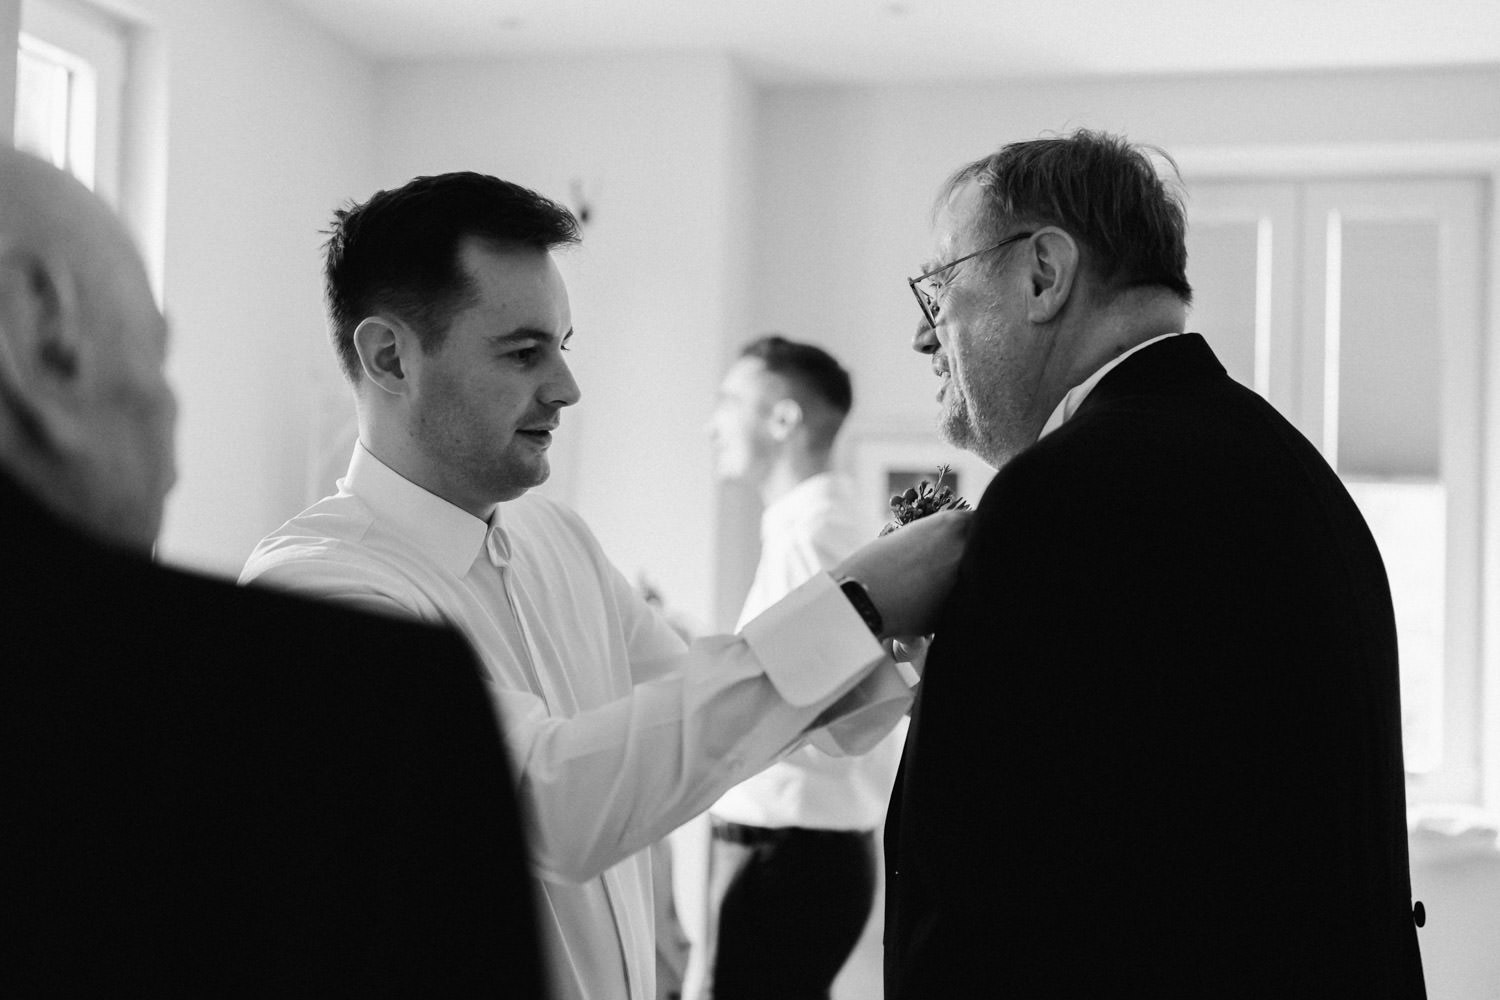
<point>497,551</point>
<point>632,939</point>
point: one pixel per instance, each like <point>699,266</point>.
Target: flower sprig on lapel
<point>921,500</point>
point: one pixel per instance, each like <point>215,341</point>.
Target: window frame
<point>1455,160</point>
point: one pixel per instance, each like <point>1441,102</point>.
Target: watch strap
<point>860,599</point>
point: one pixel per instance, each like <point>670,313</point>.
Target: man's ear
<point>786,417</point>
<point>380,343</point>
<point>1053,274</point>
<point>41,346</point>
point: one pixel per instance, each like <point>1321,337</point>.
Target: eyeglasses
<point>927,300</point>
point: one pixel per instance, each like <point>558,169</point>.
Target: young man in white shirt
<point>793,865</point>
<point>450,320</point>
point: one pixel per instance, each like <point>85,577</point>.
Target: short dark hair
<point>812,372</point>
<point>399,251</point>
<point>1100,188</point>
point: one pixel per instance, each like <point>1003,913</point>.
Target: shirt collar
<point>452,536</point>
<point>1070,403</point>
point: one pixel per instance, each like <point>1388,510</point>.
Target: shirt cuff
<point>812,642</point>
<point>862,718</point>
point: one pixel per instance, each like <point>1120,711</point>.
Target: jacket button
<point>1419,914</point>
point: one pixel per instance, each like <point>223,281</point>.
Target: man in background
<point>452,324</point>
<point>209,791</point>
<point>792,867</point>
<point>1170,657</point>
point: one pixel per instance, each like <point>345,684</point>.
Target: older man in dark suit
<point>209,791</point>
<point>1157,746</point>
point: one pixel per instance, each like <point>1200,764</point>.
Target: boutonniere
<point>923,499</point>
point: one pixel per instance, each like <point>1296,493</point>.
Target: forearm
<point>602,784</point>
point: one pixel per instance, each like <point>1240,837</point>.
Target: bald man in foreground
<point>209,790</point>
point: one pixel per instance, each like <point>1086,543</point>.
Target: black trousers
<point>795,904</point>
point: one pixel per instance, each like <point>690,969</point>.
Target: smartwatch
<point>860,598</point>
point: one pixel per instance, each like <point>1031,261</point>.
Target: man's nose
<point>925,340</point>
<point>562,389</point>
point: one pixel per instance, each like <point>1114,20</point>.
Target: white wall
<point>271,125</point>
<point>656,286</point>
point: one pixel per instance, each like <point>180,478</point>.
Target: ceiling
<point>870,41</point>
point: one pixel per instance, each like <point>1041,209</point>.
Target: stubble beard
<point>955,424</point>
<point>961,425</point>
<point>993,441</point>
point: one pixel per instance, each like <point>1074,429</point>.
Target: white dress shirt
<point>811,528</point>
<point>618,732</point>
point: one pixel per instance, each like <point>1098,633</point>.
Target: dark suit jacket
<point>209,791</point>
<point>1157,746</point>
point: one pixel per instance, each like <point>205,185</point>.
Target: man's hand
<point>909,573</point>
<point>910,649</point>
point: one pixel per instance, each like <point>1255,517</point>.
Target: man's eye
<point>525,355</point>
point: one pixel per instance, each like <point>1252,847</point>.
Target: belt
<point>750,836</point>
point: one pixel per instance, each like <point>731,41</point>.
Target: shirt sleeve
<point>352,583</point>
<point>815,543</point>
<point>607,782</point>
<point>857,722</point>
<point>603,784</point>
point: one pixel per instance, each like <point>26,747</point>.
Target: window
<point>56,95</point>
<point>1354,307</point>
<point>70,69</point>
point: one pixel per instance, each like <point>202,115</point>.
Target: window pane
<point>1393,314</point>
<point>42,107</point>
<point>1388,435</point>
<point>1409,522</point>
<point>1390,349</point>
<point>56,107</point>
